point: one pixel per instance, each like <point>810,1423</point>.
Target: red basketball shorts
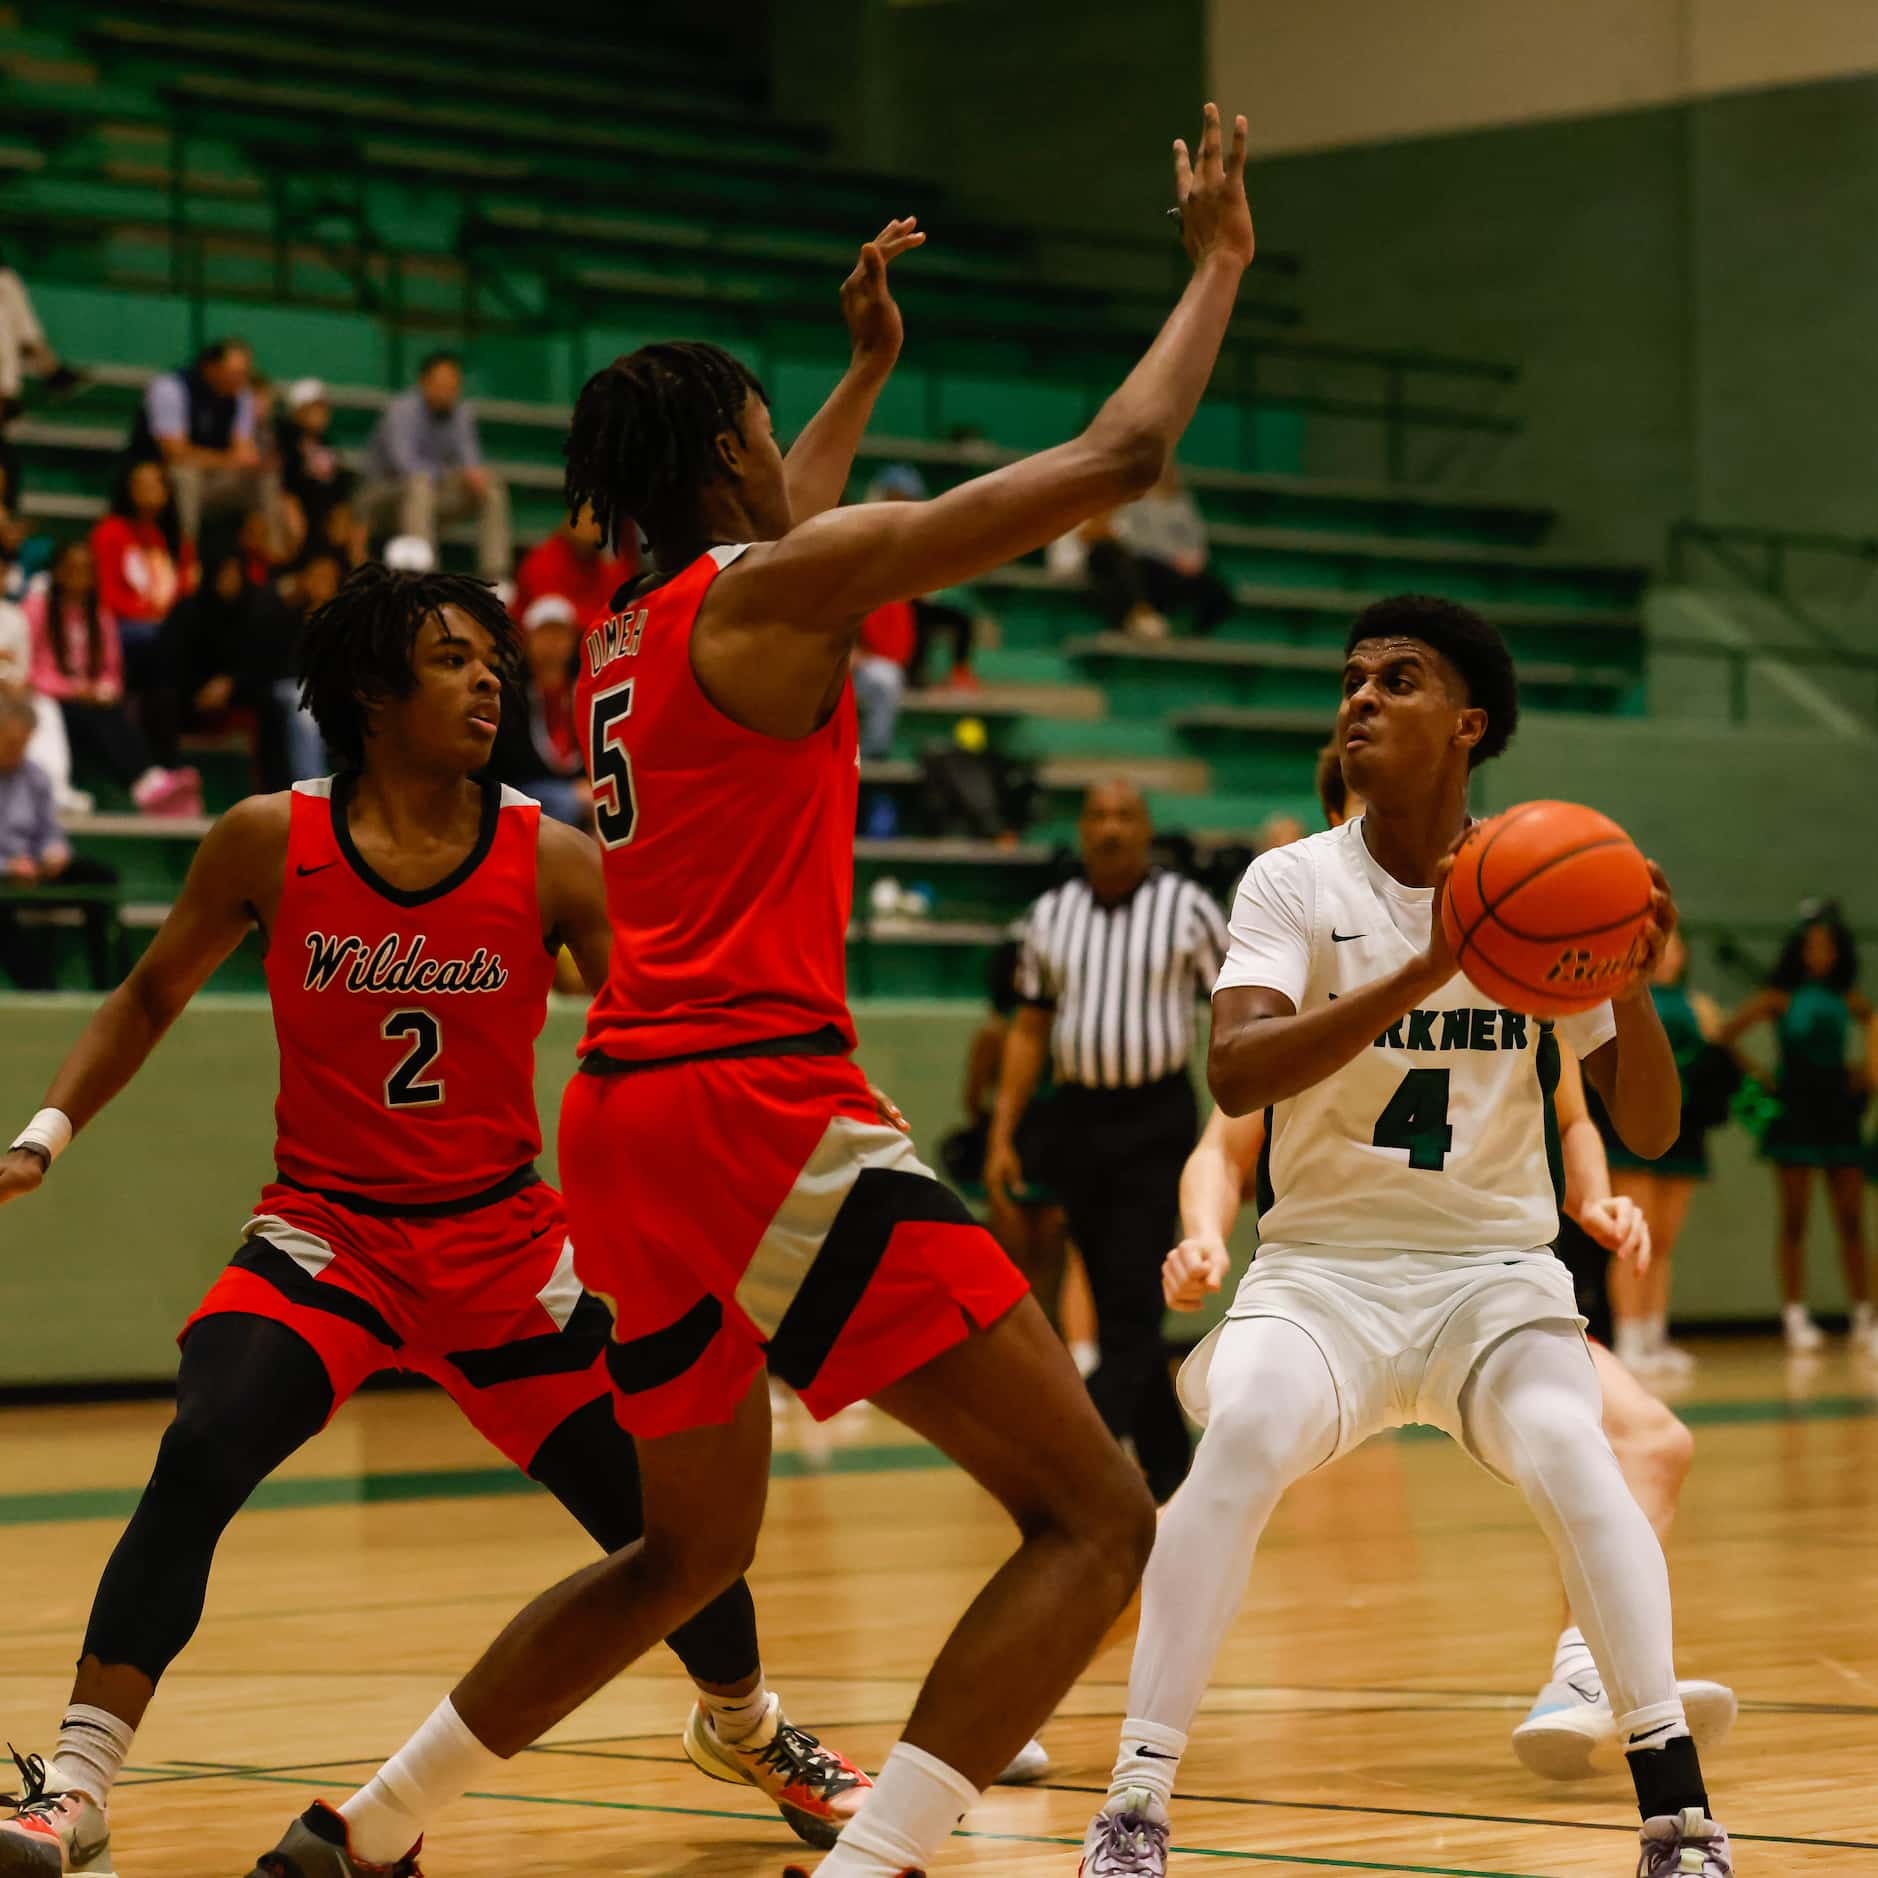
<point>483,1301</point>
<point>752,1211</point>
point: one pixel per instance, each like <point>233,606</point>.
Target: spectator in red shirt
<point>78,659</point>
<point>570,563</point>
<point>885,649</point>
<point>143,562</point>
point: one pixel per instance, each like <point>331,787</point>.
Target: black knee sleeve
<point>590,1465</point>
<point>249,1393</point>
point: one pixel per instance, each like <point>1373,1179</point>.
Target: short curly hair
<point>359,645</point>
<point>1469,643</point>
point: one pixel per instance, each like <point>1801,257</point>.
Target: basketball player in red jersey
<point>731,1193</point>
<point>412,916</point>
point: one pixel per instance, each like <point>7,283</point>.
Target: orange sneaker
<point>816,1790</point>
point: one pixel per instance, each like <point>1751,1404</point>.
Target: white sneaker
<point>1030,1763</point>
<point>1672,1362</point>
<point>1127,1839</point>
<point>1570,1732</point>
<point>52,1833</point>
<point>816,1789</point>
<point>1804,1337</point>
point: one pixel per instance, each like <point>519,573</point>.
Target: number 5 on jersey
<point>615,808</point>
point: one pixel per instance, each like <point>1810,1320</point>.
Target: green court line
<point>480,1483</point>
<point>453,1483</point>
<point>262,1777</point>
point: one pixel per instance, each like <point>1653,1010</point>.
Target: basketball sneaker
<point>1031,1762</point>
<point>318,1845</point>
<point>1127,1839</point>
<point>51,1833</point>
<point>1570,1732</point>
<point>816,1790</point>
<point>1684,1845</point>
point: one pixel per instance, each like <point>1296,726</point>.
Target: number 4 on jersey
<point>615,808</point>
<point>1417,1119</point>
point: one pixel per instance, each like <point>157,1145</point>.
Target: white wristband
<point>50,1131</point>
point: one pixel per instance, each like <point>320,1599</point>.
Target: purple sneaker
<point>1127,1839</point>
<point>1684,1845</point>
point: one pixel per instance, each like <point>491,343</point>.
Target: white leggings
<point>1533,1413</point>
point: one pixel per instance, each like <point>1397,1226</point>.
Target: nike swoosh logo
<point>1343,938</point>
<point>1148,1754</point>
<point>304,870</point>
<point>83,1855</point>
<point>1593,1694</point>
<point>1650,1734</point>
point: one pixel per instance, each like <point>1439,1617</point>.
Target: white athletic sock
<point>1656,1330</point>
<point>92,1746</point>
<point>1149,1757</point>
<point>1861,1320</point>
<point>388,1815</point>
<point>916,1805</point>
<point>1572,1661</point>
<point>1795,1314</point>
<point>739,1719</point>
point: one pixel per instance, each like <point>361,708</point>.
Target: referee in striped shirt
<point>1112,968</point>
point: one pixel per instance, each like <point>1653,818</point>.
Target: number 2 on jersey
<point>1417,1119</point>
<point>615,808</point>
<point>405,1087</point>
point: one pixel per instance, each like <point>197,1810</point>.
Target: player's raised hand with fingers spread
<point>867,304</point>
<point>1215,218</point>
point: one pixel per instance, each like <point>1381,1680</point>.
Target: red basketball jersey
<point>407,1021</point>
<point>729,855</point>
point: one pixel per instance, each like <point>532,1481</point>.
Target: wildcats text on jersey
<point>384,967</point>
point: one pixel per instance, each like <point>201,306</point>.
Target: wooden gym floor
<point>1401,1618</point>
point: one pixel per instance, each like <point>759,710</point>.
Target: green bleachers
<point>347,187</point>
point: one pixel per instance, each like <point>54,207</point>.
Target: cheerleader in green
<point>1662,1188</point>
<point>1820,1021</point>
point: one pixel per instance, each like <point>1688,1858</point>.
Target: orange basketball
<point>1545,908</point>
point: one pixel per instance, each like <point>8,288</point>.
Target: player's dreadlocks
<point>358,645</point>
<point>643,434</point>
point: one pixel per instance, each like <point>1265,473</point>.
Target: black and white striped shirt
<point>1122,980</point>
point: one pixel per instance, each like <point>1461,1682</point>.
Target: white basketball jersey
<point>1439,1136</point>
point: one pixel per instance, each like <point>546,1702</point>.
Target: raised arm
<point>1635,1074</point>
<point>822,577</point>
<point>819,461</point>
<point>236,871</point>
<point>573,899</point>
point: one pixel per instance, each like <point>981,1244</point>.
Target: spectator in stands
<point>536,749</point>
<point>24,556</point>
<point>199,422</point>
<point>884,651</point>
<point>310,469</point>
<point>77,659</point>
<point>314,582</point>
<point>49,747</point>
<point>23,345</point>
<point>221,651</point>
<point>1151,560</point>
<point>144,564</point>
<point>570,563</point>
<point>955,613</point>
<point>36,861</point>
<point>425,465</point>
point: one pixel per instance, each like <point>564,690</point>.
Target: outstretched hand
<point>1654,939</point>
<point>874,324</point>
<point>1215,217</point>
